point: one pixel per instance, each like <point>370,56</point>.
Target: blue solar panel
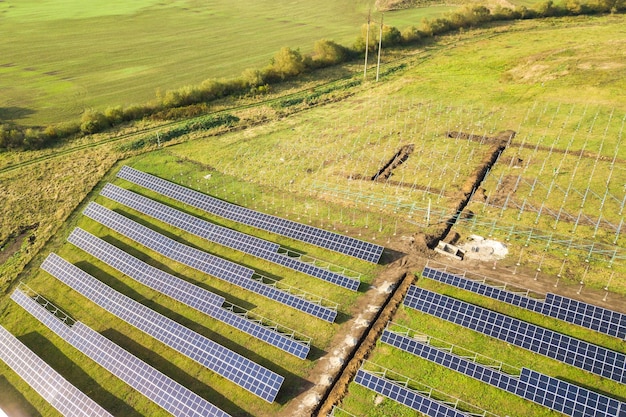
<point>483,289</point>
<point>163,391</point>
<point>567,398</point>
<point>563,308</point>
<point>405,396</point>
<point>183,291</point>
<point>586,315</point>
<point>584,355</point>
<point>555,394</point>
<point>202,261</point>
<point>221,235</point>
<point>329,240</point>
<point>48,383</point>
<point>232,366</point>
<point>199,227</point>
<point>464,366</point>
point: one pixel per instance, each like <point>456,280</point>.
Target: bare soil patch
<point>14,241</point>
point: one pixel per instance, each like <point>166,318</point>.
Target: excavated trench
<point>398,159</point>
<point>474,181</point>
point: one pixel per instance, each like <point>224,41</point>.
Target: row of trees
<point>288,63</point>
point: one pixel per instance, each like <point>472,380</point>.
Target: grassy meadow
<point>556,82</point>
<point>59,58</point>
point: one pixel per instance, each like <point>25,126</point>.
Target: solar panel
<point>199,227</point>
<point>587,315</point>
<point>163,391</point>
<point>221,235</point>
<point>329,240</point>
<point>555,394</point>
<point>202,261</point>
<point>584,355</point>
<point>567,398</point>
<point>48,383</point>
<point>464,366</point>
<point>405,396</point>
<point>232,366</point>
<point>572,311</point>
<point>483,289</point>
<point>181,290</point>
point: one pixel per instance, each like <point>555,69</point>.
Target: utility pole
<point>367,42</point>
<point>380,45</point>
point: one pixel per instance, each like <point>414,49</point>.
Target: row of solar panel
<point>48,383</point>
<point>221,235</point>
<point>405,396</point>
<point>584,355</point>
<point>163,391</point>
<point>555,394</point>
<point>232,366</point>
<point>586,315</point>
<point>202,261</point>
<point>183,291</point>
<point>329,240</point>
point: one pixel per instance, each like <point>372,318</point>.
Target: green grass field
<point>59,58</point>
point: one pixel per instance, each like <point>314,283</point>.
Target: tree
<point>287,63</point>
<point>327,52</point>
<point>391,36</point>
<point>93,122</point>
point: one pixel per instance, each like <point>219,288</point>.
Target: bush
<point>410,35</point>
<point>93,122</point>
<point>327,52</point>
<point>287,63</point>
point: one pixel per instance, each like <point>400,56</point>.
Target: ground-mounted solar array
<point>203,261</point>
<point>183,291</point>
<point>227,237</point>
<point>553,393</point>
<point>405,361</point>
<point>595,359</point>
<point>162,390</point>
<point>573,311</point>
<point>136,244</point>
<point>323,238</point>
<point>45,380</point>
<point>232,366</point>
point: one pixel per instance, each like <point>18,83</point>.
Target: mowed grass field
<point>60,58</point>
<point>300,168</point>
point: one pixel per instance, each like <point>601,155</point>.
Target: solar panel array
<point>555,394</point>
<point>202,261</point>
<point>221,235</point>
<point>405,396</point>
<point>584,355</point>
<point>181,290</point>
<point>329,240</point>
<point>48,383</point>
<point>569,310</point>
<point>232,366</point>
<point>163,391</point>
